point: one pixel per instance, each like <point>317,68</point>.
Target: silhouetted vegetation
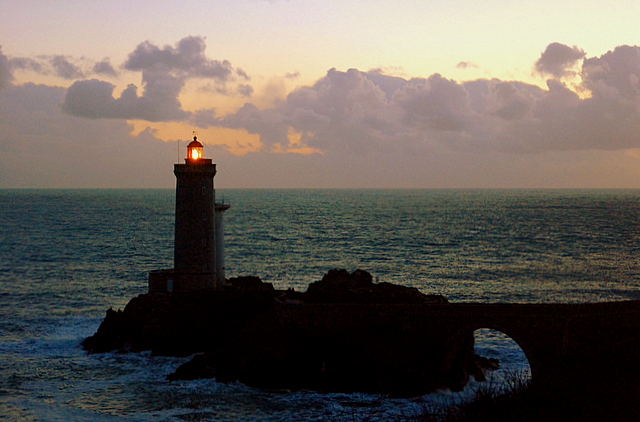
<point>494,400</point>
<point>516,399</point>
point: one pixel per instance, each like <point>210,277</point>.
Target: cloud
<point>104,67</point>
<point>615,74</point>
<point>64,68</point>
<point>42,147</point>
<point>245,90</point>
<point>204,118</point>
<point>6,76</point>
<point>434,103</point>
<point>558,60</point>
<point>94,99</point>
<point>349,128</point>
<point>465,65</point>
<point>24,63</point>
<point>187,59</point>
<point>164,74</point>
<point>357,112</point>
<point>241,73</point>
<point>509,102</point>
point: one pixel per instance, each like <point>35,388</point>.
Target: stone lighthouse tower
<point>198,256</point>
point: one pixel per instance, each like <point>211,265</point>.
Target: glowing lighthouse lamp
<point>195,149</point>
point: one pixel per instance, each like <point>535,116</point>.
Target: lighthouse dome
<point>194,144</point>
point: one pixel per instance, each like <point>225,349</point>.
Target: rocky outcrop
<point>340,286</point>
<point>340,348</point>
<point>249,284</point>
<point>178,324</point>
<point>344,334</point>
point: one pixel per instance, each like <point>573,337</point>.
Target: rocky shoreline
<point>344,334</point>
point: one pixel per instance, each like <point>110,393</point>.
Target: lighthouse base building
<point>198,257</point>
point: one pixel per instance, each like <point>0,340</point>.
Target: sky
<point>321,94</point>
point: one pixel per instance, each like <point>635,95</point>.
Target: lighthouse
<point>198,255</point>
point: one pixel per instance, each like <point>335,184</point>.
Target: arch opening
<point>514,371</point>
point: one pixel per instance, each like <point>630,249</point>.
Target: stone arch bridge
<point>590,346</point>
<point>570,347</point>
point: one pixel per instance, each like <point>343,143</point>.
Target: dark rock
<point>348,350</point>
<point>109,336</point>
<point>338,286</point>
<point>198,367</point>
<point>488,364</point>
<point>249,283</point>
<point>393,293</point>
<point>344,334</point>
<point>178,324</point>
<point>482,365</point>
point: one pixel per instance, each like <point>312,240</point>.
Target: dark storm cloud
<point>165,71</point>
<point>104,67</point>
<point>6,76</point>
<point>558,59</point>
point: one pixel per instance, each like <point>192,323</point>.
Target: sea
<point>66,256</point>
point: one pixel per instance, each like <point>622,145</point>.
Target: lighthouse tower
<point>198,256</point>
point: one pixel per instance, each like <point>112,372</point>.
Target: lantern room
<point>195,150</point>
